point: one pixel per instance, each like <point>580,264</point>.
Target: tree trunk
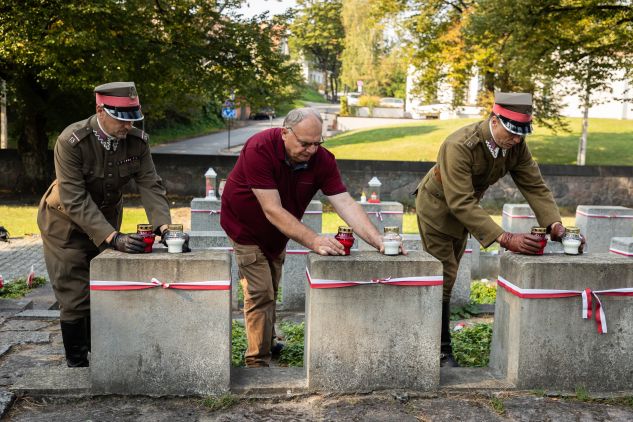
<point>33,150</point>
<point>582,146</point>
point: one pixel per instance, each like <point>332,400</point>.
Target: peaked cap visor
<point>126,114</point>
<point>515,127</point>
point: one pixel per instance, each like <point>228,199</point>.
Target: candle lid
<point>144,227</point>
<point>539,230</point>
<point>392,229</point>
<point>573,230</point>
<point>175,227</point>
<point>345,229</point>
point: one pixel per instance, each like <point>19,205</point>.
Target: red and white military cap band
<point>512,115</point>
<point>117,101</point>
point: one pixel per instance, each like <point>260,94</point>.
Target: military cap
<point>120,100</point>
<point>514,110</point>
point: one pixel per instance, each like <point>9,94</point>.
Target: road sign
<point>229,113</point>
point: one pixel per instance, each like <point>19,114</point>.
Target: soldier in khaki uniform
<point>469,161</point>
<point>80,213</point>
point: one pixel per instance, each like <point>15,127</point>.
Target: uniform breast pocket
<point>127,170</point>
<point>92,173</point>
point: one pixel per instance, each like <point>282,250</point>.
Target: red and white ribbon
<point>313,212</point>
<point>468,251</point>
<point>518,215</point>
<point>586,214</point>
<point>140,285</point>
<point>210,212</point>
<point>317,283</point>
<point>620,252</point>
<point>586,295</point>
<point>379,214</point>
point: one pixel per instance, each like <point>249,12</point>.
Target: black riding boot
<point>446,350</point>
<point>87,327</point>
<point>76,343</point>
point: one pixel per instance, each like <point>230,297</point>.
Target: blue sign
<point>229,113</point>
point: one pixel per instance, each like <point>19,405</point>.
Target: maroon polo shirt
<point>262,165</point>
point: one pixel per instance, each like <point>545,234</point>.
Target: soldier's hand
<point>128,243</point>
<point>521,242</point>
<point>557,231</point>
<point>185,246</point>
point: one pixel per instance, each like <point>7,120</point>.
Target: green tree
<point>182,55</point>
<point>317,31</point>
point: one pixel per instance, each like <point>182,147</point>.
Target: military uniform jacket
<point>449,194</point>
<point>87,192</point>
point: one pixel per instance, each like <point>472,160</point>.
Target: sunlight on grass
<point>609,142</point>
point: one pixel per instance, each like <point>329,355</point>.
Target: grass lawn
<point>609,142</point>
<point>22,220</point>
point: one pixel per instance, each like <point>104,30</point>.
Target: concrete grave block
<point>461,290</point>
<point>294,271</point>
<point>373,336</point>
<point>545,343</point>
<point>217,241</point>
<point>161,341</point>
<point>622,246</point>
<point>383,214</point>
<point>601,223</point>
<point>518,218</point>
<point>205,214</point>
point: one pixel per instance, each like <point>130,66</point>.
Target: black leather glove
<point>185,246</point>
<point>128,243</point>
<point>521,242</point>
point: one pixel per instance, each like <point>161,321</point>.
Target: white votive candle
<point>175,245</point>
<point>570,246</point>
<point>392,247</point>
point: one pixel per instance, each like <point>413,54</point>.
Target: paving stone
<point>54,381</point>
<point>4,348</point>
<point>38,314</point>
<point>6,399</point>
<point>472,378</point>
<point>15,304</point>
<point>23,337</point>
<point>23,325</point>
<point>256,381</point>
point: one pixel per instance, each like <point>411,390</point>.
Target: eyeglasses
<point>306,145</point>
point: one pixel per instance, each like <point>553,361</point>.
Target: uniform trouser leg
<point>259,277</point>
<point>449,250</point>
<point>68,266</point>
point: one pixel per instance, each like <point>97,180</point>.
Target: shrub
<point>471,345</point>
<point>18,287</point>
<point>292,353</point>
<point>238,343</point>
<point>484,292</point>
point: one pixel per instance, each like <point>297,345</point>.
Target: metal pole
<point>4,136</point>
<point>228,121</point>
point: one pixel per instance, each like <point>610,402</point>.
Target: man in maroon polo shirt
<point>276,176</point>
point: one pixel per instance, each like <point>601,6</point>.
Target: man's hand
<point>324,245</point>
<point>128,243</point>
<point>520,242</point>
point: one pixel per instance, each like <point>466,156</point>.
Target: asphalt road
<point>219,144</point>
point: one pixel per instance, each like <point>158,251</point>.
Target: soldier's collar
<point>108,141</point>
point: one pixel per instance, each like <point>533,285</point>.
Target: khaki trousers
<point>449,250</point>
<point>259,278</point>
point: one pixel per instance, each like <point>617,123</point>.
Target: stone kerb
<point>205,214</point>
<point>461,290</point>
<point>601,223</point>
<point>373,336</point>
<point>545,343</point>
<point>622,246</point>
<point>161,341</point>
<point>383,214</point>
<point>293,275</point>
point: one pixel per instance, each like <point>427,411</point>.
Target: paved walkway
<point>19,254</point>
